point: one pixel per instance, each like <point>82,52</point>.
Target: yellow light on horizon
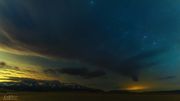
<point>136,88</point>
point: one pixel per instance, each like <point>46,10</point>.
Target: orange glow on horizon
<point>137,88</point>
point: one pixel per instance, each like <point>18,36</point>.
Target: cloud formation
<point>82,72</point>
<point>7,66</point>
<point>69,30</point>
<point>8,71</point>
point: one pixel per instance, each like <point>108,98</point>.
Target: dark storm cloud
<point>69,29</point>
<point>82,72</point>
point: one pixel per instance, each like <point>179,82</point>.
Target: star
<point>92,2</point>
<point>145,37</point>
<point>154,43</point>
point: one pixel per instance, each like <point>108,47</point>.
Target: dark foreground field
<point>49,96</point>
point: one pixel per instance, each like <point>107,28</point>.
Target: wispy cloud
<point>9,71</point>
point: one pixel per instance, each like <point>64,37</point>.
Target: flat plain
<point>74,96</point>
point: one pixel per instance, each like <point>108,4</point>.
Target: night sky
<point>106,44</point>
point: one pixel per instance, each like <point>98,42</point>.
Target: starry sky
<point>106,44</point>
